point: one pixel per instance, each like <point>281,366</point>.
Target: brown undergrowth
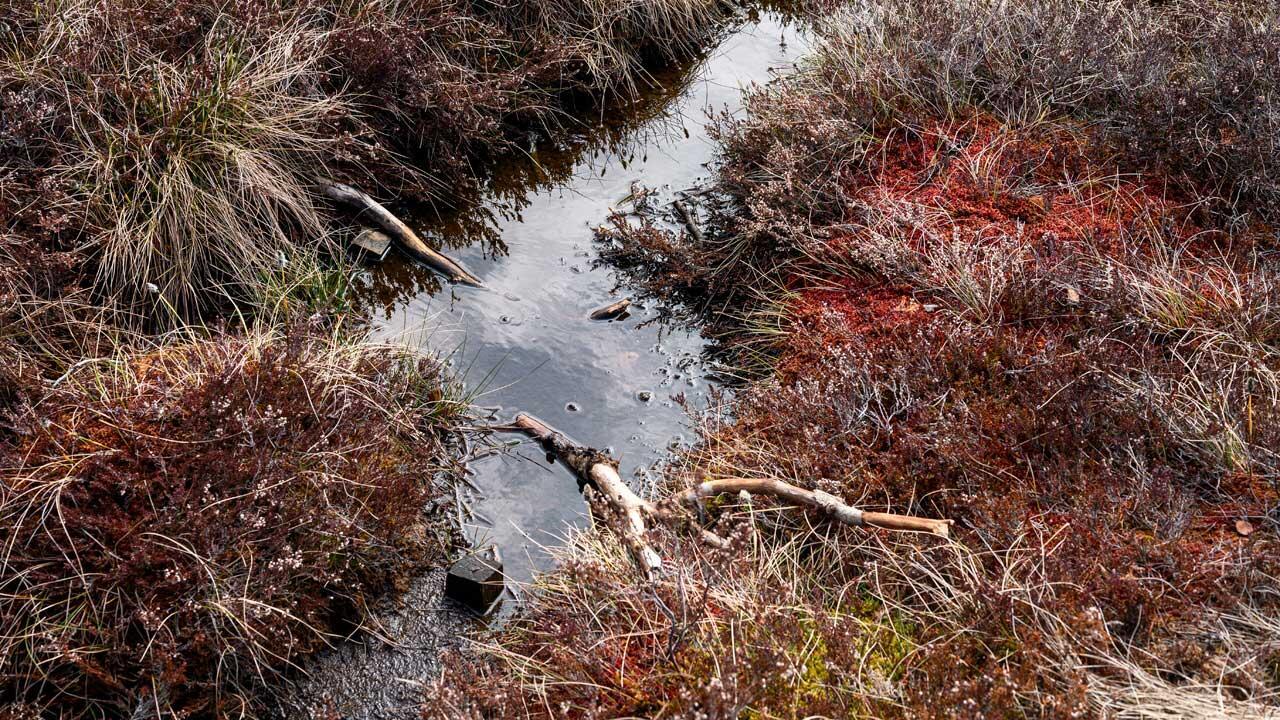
<point>194,482</point>
<point>952,306</point>
<point>181,524</point>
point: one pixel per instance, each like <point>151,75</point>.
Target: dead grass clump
<point>181,171</point>
<point>173,148</point>
<point>182,524</point>
<point>1176,90</point>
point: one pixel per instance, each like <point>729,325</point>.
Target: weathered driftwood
<point>825,503</point>
<point>612,310</point>
<point>689,220</point>
<point>400,232</point>
<point>600,472</point>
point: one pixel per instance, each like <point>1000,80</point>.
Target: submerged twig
<point>611,311</point>
<point>690,221</point>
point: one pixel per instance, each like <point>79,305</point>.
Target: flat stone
<point>374,243</point>
<point>475,581</point>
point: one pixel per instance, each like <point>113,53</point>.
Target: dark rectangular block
<point>475,581</point>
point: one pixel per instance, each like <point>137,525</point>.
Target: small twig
<point>612,310</point>
<point>689,221</point>
<point>600,473</point>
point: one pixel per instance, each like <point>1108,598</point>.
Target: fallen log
<point>404,236</point>
<point>612,310</point>
<point>825,503</point>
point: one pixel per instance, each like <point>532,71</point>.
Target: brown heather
<point>1006,263</point>
<point>182,524</point>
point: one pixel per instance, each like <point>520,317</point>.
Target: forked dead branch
<point>600,473</point>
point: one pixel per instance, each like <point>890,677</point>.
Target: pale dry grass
<point>198,188</point>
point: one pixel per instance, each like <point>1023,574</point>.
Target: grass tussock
<point>182,524</point>
<point>1008,264</point>
<point>170,149</point>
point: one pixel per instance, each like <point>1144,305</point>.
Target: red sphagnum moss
<point>1011,324</point>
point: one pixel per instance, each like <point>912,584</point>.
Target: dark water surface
<point>525,342</point>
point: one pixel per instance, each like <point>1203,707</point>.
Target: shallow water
<point>525,342</point>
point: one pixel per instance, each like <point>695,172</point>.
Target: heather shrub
<point>727,634</point>
<point>1097,571</point>
<point>182,524</point>
<point>1181,88</point>
<point>1010,264</point>
<point>1180,91</point>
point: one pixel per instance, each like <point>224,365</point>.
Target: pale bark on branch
<point>404,236</point>
<point>612,310</point>
<point>824,503</point>
<point>600,472</point>
<point>690,221</point>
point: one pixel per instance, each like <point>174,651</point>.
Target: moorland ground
<point>203,464</point>
<point>1011,264</point>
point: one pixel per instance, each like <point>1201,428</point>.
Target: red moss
<point>871,312</point>
<point>1045,185</point>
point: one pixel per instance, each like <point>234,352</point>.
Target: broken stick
<point>689,221</point>
<point>825,503</point>
<point>612,310</point>
<point>398,230</point>
<point>600,472</point>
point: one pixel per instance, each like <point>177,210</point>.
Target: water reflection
<point>525,342</point>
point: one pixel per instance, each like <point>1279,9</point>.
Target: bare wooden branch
<point>612,310</point>
<point>825,503</point>
<point>690,221</point>
<point>600,472</point>
<point>398,230</point>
